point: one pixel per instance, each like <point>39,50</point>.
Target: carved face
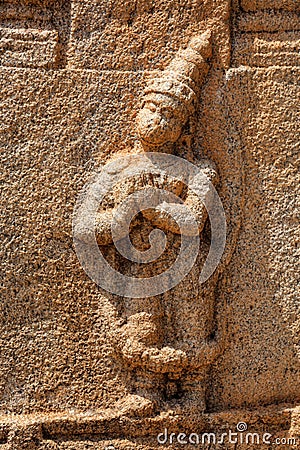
<point>161,119</point>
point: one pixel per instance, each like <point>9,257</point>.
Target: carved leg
<point>145,397</point>
<point>139,346</point>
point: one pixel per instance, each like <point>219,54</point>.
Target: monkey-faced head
<point>161,119</point>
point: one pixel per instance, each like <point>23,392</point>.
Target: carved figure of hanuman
<point>166,342</point>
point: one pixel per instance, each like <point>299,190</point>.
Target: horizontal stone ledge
<point>270,21</point>
<point>254,5</point>
<point>44,73</point>
<point>113,424</point>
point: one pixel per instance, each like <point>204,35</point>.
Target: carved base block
<point>238,429</point>
<point>28,48</point>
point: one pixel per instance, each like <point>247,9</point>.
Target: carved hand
<point>103,224</point>
<point>173,217</point>
<point>165,360</point>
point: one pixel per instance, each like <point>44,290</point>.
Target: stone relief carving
<point>286,5</point>
<point>167,342</point>
<point>33,34</point>
<point>267,33</point>
<point>170,99</point>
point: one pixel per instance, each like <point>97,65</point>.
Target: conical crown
<point>184,76</point>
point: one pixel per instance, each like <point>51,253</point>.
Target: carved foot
<point>135,406</point>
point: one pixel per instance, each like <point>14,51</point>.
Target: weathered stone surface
<point>254,5</point>
<point>267,50</point>
<point>53,131</point>
<point>33,33</point>
<point>63,385</point>
<point>137,35</point>
<point>263,303</point>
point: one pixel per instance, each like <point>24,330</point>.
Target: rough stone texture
<point>266,34</point>
<point>34,33</point>
<point>254,5</point>
<point>138,34</point>
<point>264,305</point>
<point>58,383</point>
